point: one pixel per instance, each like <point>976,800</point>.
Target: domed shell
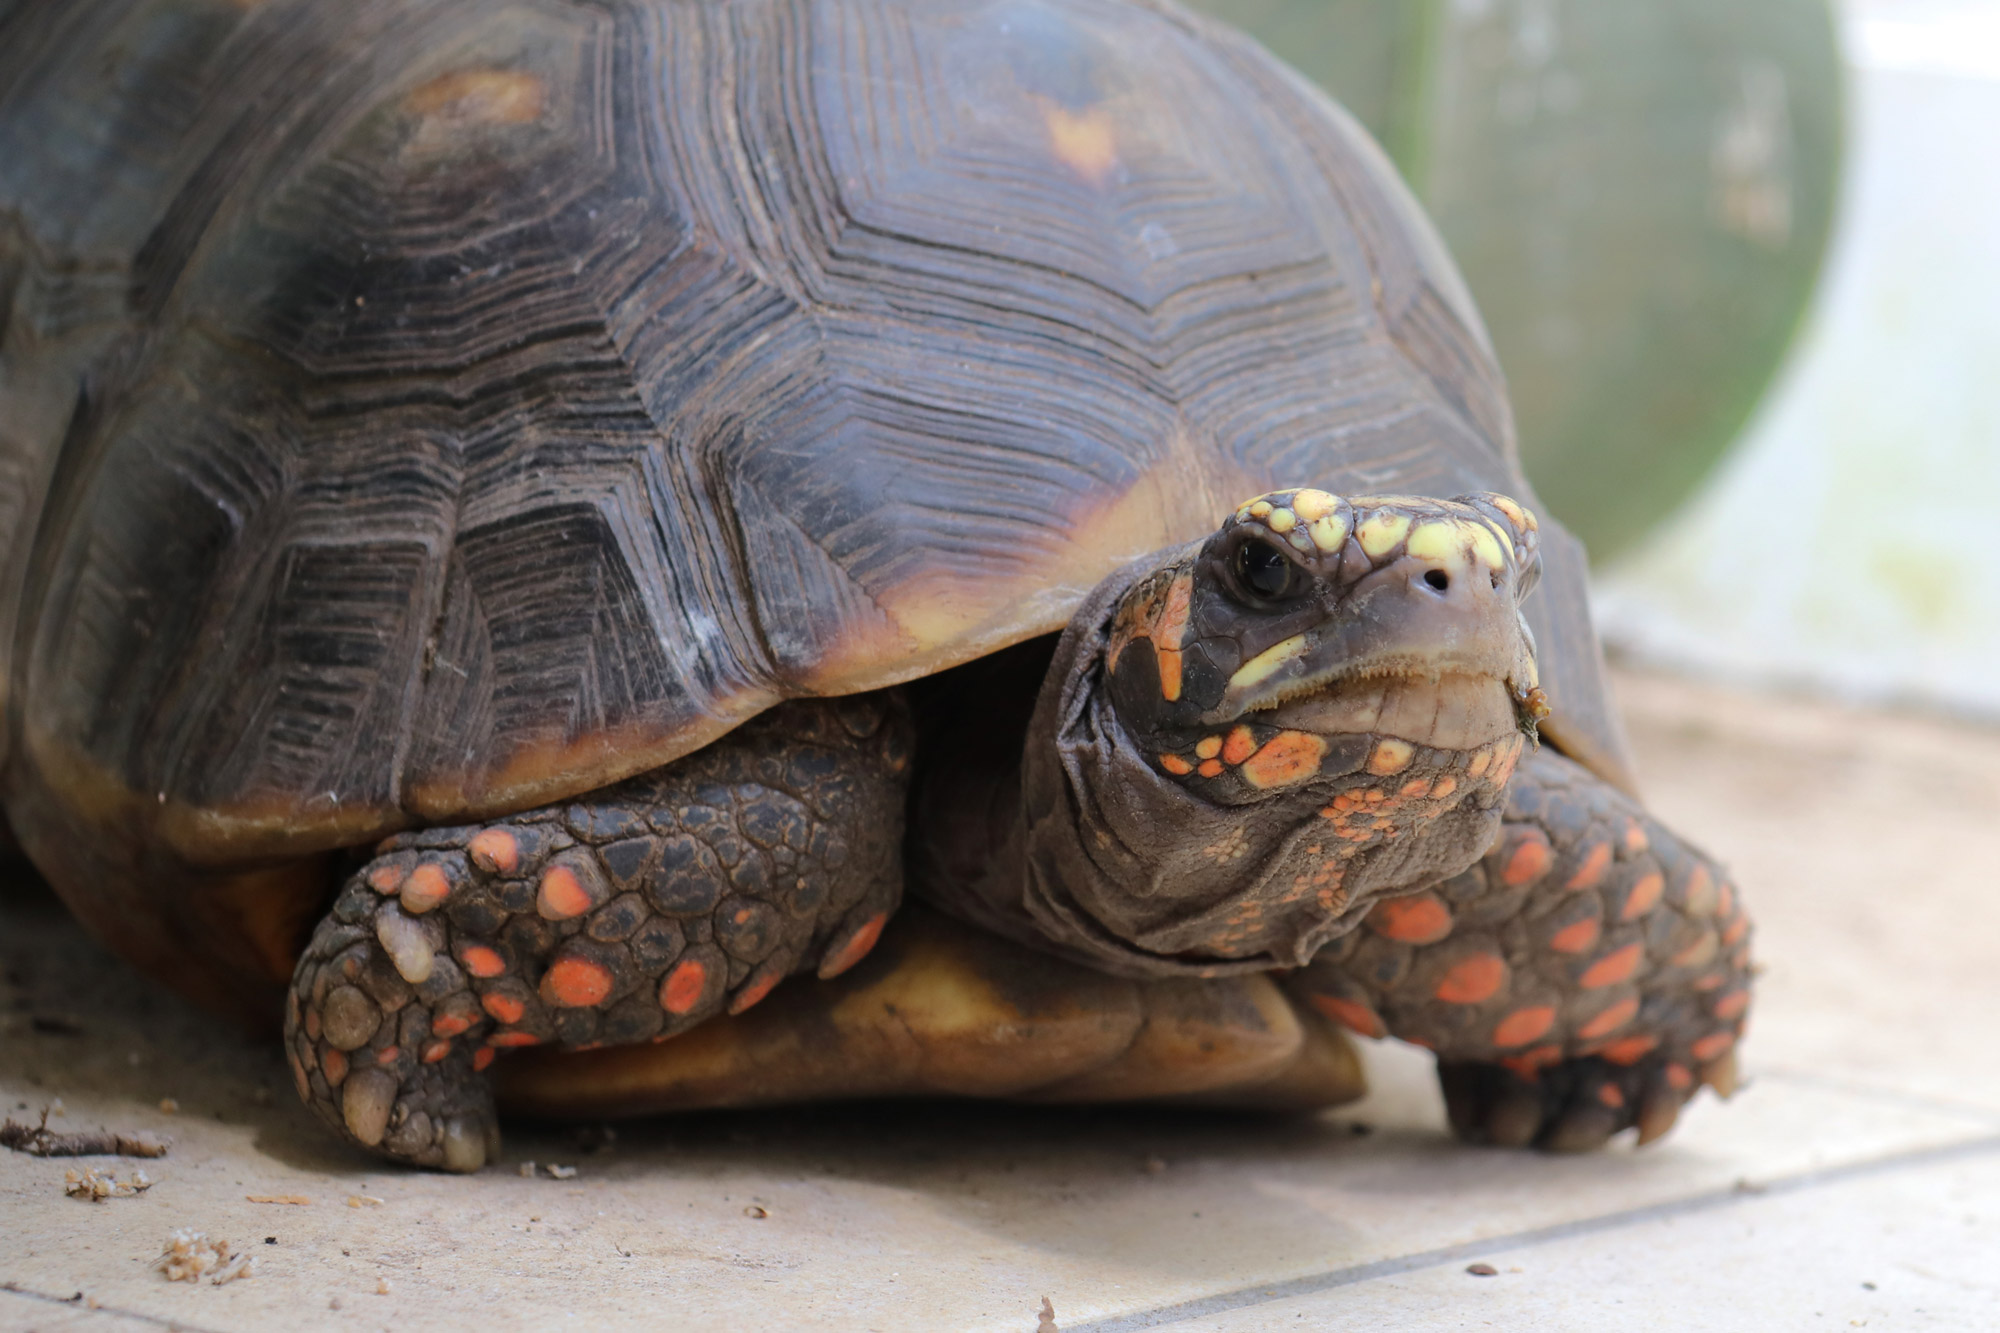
<point>418,411</point>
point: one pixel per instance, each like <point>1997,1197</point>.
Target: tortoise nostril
<point>1438,579</point>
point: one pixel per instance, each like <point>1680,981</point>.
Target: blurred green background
<point>1637,191</point>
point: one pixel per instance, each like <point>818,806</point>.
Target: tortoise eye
<point>1264,569</point>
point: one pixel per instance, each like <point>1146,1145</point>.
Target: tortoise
<point>530,524</point>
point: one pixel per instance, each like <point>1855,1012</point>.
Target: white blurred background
<point>1850,543</point>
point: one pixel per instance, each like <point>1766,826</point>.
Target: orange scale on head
<point>1210,768</point>
<point>1288,757</point>
<point>1415,789</point>
<point>1240,746</point>
<point>1176,765</point>
<point>1208,747</point>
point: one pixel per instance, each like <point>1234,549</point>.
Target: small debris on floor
<point>41,1141</point>
<point>295,1200</point>
<point>191,1256</point>
<point>1156,1166</point>
<point>1048,1318</point>
<point>756,1210</point>
<point>1482,1270</point>
<point>168,1106</point>
<point>382,1286</point>
<point>89,1184</point>
<point>363,1201</point>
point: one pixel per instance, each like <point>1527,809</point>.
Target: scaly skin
<point>631,915</point>
<point>1586,976</point>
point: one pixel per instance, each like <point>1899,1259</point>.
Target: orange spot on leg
<point>482,961</point>
<point>513,1039</point>
<point>576,983</point>
<point>1644,897</point>
<point>426,887</point>
<point>1731,1005</point>
<point>683,988</point>
<point>496,851</point>
<point>1418,919</point>
<point>854,948</point>
<point>561,895</point>
<point>753,991</point>
<point>1614,967</point>
<point>1629,1050</point>
<point>1679,1078</point>
<point>1577,937</point>
<point>1473,980</point>
<point>1176,765</point>
<point>1713,1045</point>
<point>1529,1063</point>
<point>436,1051</point>
<point>482,1058</point>
<point>1609,1021</point>
<point>334,1065</point>
<point>1591,872</point>
<point>1353,1016</point>
<point>385,879</point>
<point>1210,768</point>
<point>1529,860</point>
<point>1610,1096</point>
<point>504,1008</point>
<point>1524,1025</point>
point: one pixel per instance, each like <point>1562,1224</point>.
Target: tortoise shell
<point>419,411</point>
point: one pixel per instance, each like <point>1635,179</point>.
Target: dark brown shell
<point>414,411</point>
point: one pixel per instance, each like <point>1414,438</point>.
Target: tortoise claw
<point>1573,1106</point>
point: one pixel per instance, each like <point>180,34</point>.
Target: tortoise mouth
<point>1442,708</point>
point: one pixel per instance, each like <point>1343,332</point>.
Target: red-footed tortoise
<point>531,523</point>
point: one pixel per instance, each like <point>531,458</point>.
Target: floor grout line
<point>1264,1293</point>
<point>74,1303</point>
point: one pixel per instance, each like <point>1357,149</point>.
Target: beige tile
<point>1906,1248</point>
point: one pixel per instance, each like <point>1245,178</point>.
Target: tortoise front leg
<point>1586,976</point>
<point>633,914</point>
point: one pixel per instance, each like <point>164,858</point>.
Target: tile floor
<point>1854,1182</point>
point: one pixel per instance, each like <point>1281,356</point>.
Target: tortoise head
<point>1319,705</point>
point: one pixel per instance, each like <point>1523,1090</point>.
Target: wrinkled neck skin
<point>1171,824</point>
